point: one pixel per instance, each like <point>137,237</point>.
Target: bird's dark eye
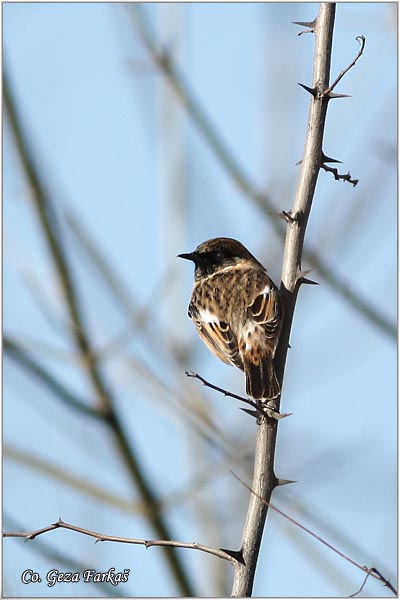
<point>221,256</point>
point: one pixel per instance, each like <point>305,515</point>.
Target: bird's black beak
<point>189,256</point>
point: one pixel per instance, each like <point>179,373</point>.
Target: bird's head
<point>218,253</point>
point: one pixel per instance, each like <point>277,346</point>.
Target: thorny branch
<point>264,479</point>
<point>338,176</point>
<point>231,556</point>
<point>373,572</point>
<point>370,571</point>
<point>259,410</point>
<point>56,556</point>
<point>165,63</point>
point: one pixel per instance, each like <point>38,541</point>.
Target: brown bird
<point>237,311</point>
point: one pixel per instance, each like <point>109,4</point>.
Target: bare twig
<point>261,410</point>
<point>338,176</point>
<point>371,571</point>
<point>69,564</point>
<point>261,200</point>
<point>361,40</point>
<point>101,537</point>
<point>385,581</point>
<point>362,585</point>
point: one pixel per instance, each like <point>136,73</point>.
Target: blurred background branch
<point>52,233</point>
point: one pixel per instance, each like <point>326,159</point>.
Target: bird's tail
<point>261,380</point>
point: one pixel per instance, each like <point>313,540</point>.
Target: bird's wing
<point>217,335</point>
<point>266,310</point>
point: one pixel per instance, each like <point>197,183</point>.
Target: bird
<point>237,311</point>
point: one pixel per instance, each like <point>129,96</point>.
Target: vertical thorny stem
<point>264,480</point>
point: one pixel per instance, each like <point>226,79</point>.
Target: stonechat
<point>237,311</point>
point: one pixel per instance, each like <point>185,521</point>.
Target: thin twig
<point>338,176</point>
<point>385,581</point>
<point>362,585</point>
<point>361,40</point>
<point>261,410</point>
<point>372,571</point>
<point>101,537</point>
<point>56,556</point>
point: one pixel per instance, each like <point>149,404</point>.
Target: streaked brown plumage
<point>237,311</point>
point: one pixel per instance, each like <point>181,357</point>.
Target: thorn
<point>285,481</point>
<point>236,554</point>
<point>266,411</point>
<point>275,213</point>
<point>279,416</point>
<point>252,413</point>
<point>328,159</point>
<point>309,24</point>
<point>287,216</point>
<point>284,216</point>
<point>301,273</point>
<point>302,279</point>
<point>311,91</point>
<point>273,414</point>
<point>332,96</point>
<point>298,162</point>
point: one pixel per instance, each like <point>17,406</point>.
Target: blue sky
<point>119,153</point>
